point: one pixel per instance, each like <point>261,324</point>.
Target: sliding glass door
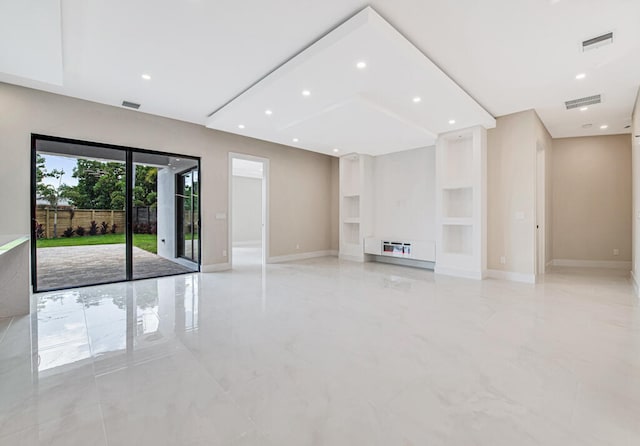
<point>106,214</point>
<point>188,227</point>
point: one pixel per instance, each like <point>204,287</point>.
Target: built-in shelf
<point>457,203</point>
<point>356,207</point>
<point>457,239</point>
<point>461,203</point>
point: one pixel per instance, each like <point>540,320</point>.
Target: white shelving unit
<point>356,205</point>
<point>461,203</point>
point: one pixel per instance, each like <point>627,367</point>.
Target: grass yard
<point>148,242</point>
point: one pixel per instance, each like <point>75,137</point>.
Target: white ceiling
<point>370,110</point>
<point>508,55</point>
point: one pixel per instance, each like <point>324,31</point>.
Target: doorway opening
<point>248,208</point>
<point>103,213</point>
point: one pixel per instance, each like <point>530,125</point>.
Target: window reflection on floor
<point>106,324</point>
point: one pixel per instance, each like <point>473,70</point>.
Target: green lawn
<point>148,242</point>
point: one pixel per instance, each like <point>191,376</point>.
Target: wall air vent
<point>583,102</point>
<point>130,105</point>
<point>597,42</point>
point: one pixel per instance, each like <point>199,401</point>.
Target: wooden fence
<point>83,217</point>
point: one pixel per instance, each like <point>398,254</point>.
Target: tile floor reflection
<point>323,352</point>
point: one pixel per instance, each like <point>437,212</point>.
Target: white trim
<point>466,274</point>
<point>549,263</point>
<point>634,282</point>
<point>247,243</point>
<point>215,267</point>
<point>511,276</point>
<point>352,258</point>
<point>302,256</point>
<point>618,264</point>
<point>265,204</point>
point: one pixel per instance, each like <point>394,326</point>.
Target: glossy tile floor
<point>326,353</point>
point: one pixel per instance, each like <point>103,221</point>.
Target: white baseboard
<point>466,274</point>
<point>621,264</point>
<point>247,243</point>
<point>302,256</point>
<point>636,287</point>
<point>512,276</point>
<point>350,258</point>
<point>215,267</point>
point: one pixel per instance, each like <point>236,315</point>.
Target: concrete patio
<point>70,266</point>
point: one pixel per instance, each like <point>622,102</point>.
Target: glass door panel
<point>187,199</point>
<point>79,215</point>
<point>154,216</point>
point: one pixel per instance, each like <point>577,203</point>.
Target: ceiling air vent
<point>583,102</point>
<point>597,42</point>
<point>130,105</point>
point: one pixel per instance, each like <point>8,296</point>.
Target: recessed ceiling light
<point>417,99</point>
<point>361,65</point>
<point>268,112</point>
<point>306,92</point>
<point>240,126</point>
<point>584,108</point>
<point>295,140</point>
<point>336,150</point>
<point>580,76</point>
<point>146,77</point>
<point>604,126</point>
<point>177,159</point>
<point>452,121</point>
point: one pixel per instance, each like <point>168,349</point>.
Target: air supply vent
<point>597,42</point>
<point>130,105</point>
<point>583,102</point>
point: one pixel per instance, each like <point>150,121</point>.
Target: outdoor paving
<point>70,266</point>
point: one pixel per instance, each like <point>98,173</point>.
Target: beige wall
<point>511,160</point>
<point>544,142</point>
<point>592,198</point>
<point>635,155</point>
<point>301,182</point>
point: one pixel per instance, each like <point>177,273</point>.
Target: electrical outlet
<point>297,245</point>
<point>224,253</point>
<point>616,252</point>
<point>503,260</point>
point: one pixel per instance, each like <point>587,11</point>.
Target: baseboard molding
<point>247,243</point>
<point>463,273</point>
<point>511,276</point>
<point>404,262</point>
<point>215,267</point>
<point>360,259</point>
<point>302,256</point>
<point>616,264</point>
<point>634,282</point>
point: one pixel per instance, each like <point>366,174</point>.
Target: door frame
<point>265,205</point>
<point>179,213</point>
<point>128,151</point>
<point>540,230</point>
